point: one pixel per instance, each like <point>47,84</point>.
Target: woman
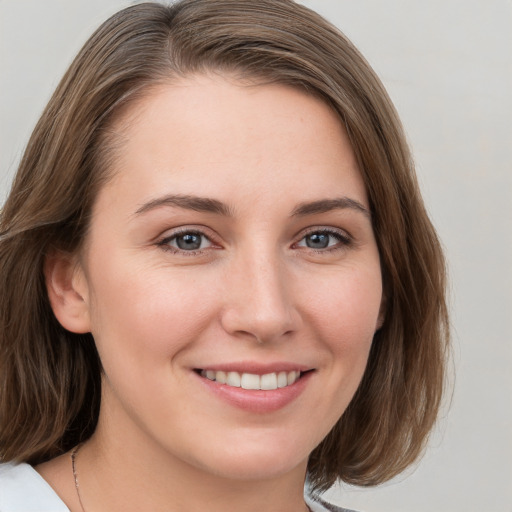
<point>217,273</point>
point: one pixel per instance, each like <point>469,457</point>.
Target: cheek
<point>345,304</point>
<point>344,313</point>
<point>147,316</point>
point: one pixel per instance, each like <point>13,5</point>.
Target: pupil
<point>317,241</point>
<point>189,242</point>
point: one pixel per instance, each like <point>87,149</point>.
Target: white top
<point>23,489</point>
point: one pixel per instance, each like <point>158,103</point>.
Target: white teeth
<point>267,382</point>
<point>233,379</point>
<point>250,381</point>
<point>282,380</point>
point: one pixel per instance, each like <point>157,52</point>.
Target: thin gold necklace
<point>75,475</point>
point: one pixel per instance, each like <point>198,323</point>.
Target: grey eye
<point>319,240</point>
<point>189,241</point>
<point>323,240</point>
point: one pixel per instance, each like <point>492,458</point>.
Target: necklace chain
<point>75,474</point>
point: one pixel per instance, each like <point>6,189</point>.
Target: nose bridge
<point>259,303</point>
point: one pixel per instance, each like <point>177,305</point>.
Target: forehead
<point>211,132</point>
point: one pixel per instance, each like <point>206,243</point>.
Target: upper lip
<point>256,368</point>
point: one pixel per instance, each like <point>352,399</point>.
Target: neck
<point>119,473</point>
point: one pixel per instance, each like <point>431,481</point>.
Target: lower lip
<point>255,400</point>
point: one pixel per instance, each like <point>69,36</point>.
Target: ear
<point>68,291</point>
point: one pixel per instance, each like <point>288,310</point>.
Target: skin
<point>254,291</point>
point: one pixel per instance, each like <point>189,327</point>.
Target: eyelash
<point>344,241</point>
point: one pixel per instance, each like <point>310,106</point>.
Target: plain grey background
<point>448,67</point>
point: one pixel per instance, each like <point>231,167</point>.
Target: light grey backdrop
<point>448,67</point>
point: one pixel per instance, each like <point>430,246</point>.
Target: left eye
<point>188,241</point>
<point>322,240</point>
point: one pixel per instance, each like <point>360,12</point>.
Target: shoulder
<point>22,489</point>
<point>317,504</point>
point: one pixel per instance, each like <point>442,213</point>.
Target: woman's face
<point>232,247</point>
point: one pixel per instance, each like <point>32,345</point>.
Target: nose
<point>258,300</point>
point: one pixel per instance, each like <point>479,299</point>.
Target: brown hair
<point>50,378</point>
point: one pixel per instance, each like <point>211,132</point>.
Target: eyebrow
<point>198,204</point>
<point>327,205</point>
<point>208,205</point>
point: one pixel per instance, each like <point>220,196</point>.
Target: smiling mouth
<point>266,382</point>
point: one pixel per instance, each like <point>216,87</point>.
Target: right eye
<point>186,241</point>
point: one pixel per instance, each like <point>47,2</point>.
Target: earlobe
<point>67,291</point>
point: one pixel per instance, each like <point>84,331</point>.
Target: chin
<point>256,462</point>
